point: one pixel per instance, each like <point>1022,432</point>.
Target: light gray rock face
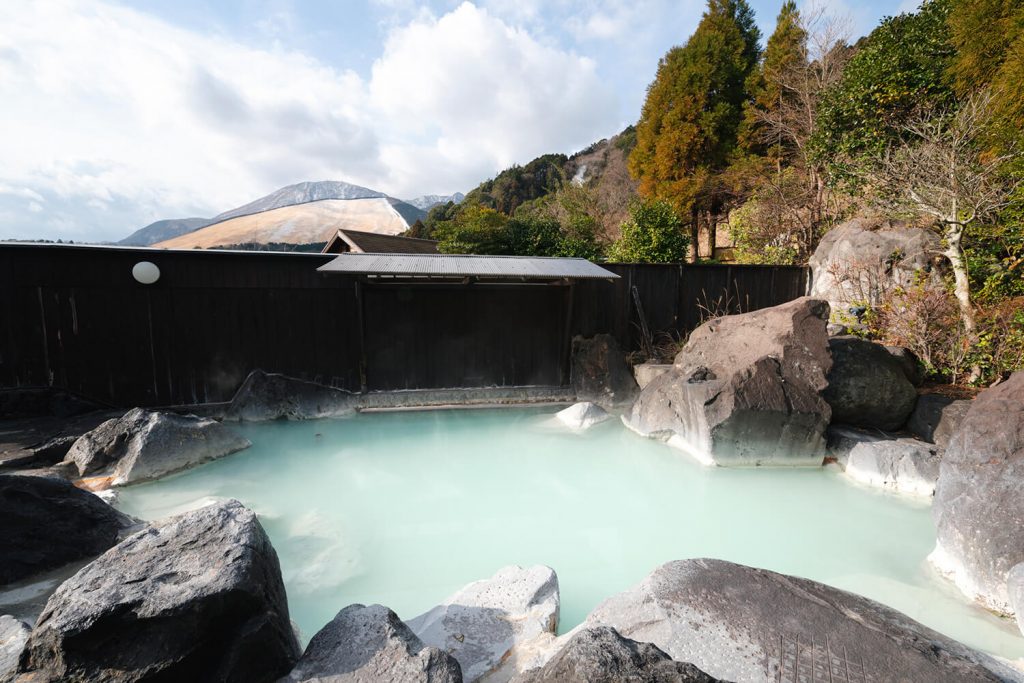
<point>868,386</point>
<point>599,372</point>
<point>497,623</point>
<point>645,372</point>
<point>198,597</point>
<point>582,416</point>
<point>751,625</point>
<point>746,389</point>
<point>46,523</point>
<point>13,636</point>
<point>936,418</point>
<point>601,655</point>
<point>144,445</point>
<point>902,465</point>
<point>1015,589</point>
<point>843,439</point>
<point>363,644</point>
<point>266,396</point>
<point>979,498</point>
<point>857,262</point>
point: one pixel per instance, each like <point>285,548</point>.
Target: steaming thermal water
<point>402,509</point>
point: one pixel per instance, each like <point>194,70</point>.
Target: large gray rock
<point>902,465</point>
<point>842,439</point>
<point>599,372</point>
<point>744,624</point>
<point>746,389</point>
<point>13,636</point>
<point>198,597</point>
<point>267,396</point>
<point>857,262</point>
<point>645,372</point>
<point>143,445</point>
<point>581,416</point>
<point>936,418</point>
<point>868,386</point>
<point>979,498</point>
<point>912,367</point>
<point>1015,589</point>
<point>601,655</point>
<point>47,522</point>
<point>496,623</point>
<point>371,644</point>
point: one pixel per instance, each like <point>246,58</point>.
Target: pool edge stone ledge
<point>495,627</point>
<point>143,445</point>
<point>198,596</point>
<point>979,499</point>
<point>372,644</point>
<point>602,655</point>
<point>746,390</point>
<point>743,624</point>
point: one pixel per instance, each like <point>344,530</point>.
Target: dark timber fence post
<point>567,345</point>
<point>362,336</point>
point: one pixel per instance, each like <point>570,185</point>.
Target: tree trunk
<point>694,235</point>
<point>962,287</point>
<point>712,233</point>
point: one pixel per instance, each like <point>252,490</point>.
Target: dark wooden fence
<point>73,317</point>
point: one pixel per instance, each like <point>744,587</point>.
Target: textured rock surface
<point>601,655</point>
<point>744,624</point>
<point>199,597</point>
<point>868,386</point>
<point>145,444</point>
<point>902,465</point>
<point>45,523</point>
<point>266,396</point>
<point>856,262</point>
<point>979,498</point>
<point>599,371</point>
<point>746,389</point>
<point>582,415</point>
<point>912,367</point>
<point>645,372</point>
<point>371,644</point>
<point>13,636</point>
<point>936,418</point>
<point>496,622</point>
<point>843,439</point>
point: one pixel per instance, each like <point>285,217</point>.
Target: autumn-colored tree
<point>689,122</point>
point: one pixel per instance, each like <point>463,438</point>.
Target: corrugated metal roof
<point>458,265</point>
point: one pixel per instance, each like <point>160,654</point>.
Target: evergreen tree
<point>785,55</point>
<point>689,122</point>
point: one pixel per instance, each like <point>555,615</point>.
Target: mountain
<point>308,223</point>
<point>429,201</point>
<point>379,215</point>
<point>163,230</point>
<point>300,193</point>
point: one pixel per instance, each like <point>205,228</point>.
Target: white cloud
<point>118,117</point>
<point>468,91</point>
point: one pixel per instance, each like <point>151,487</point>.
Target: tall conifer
<point>689,122</point>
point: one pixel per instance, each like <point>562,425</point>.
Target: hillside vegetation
<point>920,119</point>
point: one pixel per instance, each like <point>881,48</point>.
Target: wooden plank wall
<point>73,317</point>
<point>676,298</point>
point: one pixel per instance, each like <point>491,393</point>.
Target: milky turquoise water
<point>404,508</point>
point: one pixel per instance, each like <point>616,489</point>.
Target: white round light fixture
<point>145,272</point>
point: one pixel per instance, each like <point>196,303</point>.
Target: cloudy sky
<point>114,115</point>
